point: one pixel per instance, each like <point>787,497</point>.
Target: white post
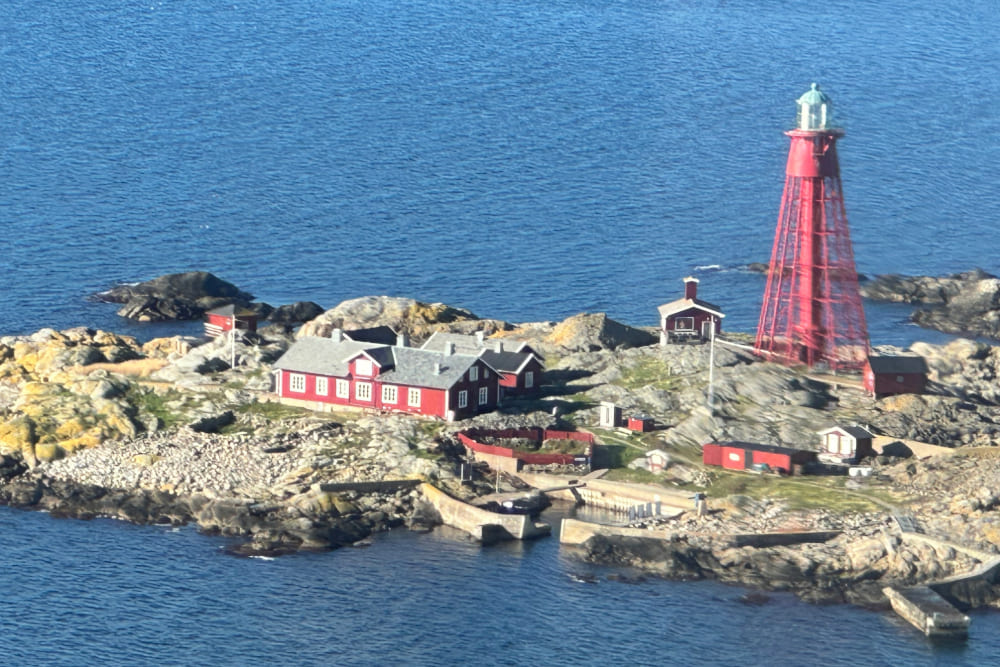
<point>711,367</point>
<point>232,346</point>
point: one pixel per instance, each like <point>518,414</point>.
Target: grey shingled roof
<point>401,365</point>
<point>668,309</point>
<point>321,356</point>
<point>415,366</point>
<point>505,362</point>
<point>383,335</point>
<point>897,364</point>
<point>855,432</point>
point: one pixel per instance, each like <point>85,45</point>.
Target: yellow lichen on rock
<point>17,433</point>
<point>48,451</point>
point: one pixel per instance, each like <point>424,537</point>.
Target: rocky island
<point>169,431</point>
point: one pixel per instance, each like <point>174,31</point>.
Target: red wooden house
<point>744,455</point>
<point>690,318</point>
<point>888,375</point>
<point>227,318</point>
<point>324,373</point>
<point>519,365</point>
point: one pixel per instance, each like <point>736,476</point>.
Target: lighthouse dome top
<point>815,110</point>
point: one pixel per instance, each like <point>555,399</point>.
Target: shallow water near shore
<point>526,160</point>
<point>107,592</point>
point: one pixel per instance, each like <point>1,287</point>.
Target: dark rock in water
<point>962,303</point>
<point>758,267</point>
<point>300,311</point>
<point>178,296</point>
<point>755,598</point>
<point>191,286</point>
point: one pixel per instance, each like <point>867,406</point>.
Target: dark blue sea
<point>526,160</point>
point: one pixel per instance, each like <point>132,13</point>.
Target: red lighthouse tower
<point>812,311</point>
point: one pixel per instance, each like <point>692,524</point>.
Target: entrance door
<point>706,329</point>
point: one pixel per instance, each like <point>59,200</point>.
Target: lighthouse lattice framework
<point>812,310</point>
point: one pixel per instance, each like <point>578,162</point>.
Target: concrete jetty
<point>928,612</point>
<point>486,527</point>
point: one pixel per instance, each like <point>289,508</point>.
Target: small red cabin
<point>640,423</point>
<point>889,375</point>
<point>743,455</point>
<point>689,319</point>
<point>227,318</point>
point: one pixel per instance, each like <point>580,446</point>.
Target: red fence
<point>468,438</point>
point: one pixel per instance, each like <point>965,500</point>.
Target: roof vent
<point>480,337</point>
<point>449,348</point>
<point>498,346</point>
<point>437,368</point>
<point>337,335</point>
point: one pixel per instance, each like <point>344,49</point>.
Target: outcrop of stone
<point>963,303</point>
<point>416,319</point>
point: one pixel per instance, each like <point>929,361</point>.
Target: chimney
<point>402,340</point>
<point>449,348</point>
<point>480,337</point>
<point>437,368</point>
<point>337,335</point>
<point>498,346</point>
<point>690,287</point>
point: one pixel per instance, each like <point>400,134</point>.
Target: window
<point>363,367</point>
<point>845,445</point>
<point>413,398</point>
<point>322,386</point>
<point>484,395</point>
<point>363,391</point>
<point>529,379</point>
<point>486,373</point>
<point>297,382</point>
<point>463,398</point>
<point>684,324</point>
<point>343,388</point>
<point>473,373</point>
<point>389,393</point>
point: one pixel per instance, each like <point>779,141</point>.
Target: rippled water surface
<point>524,159</point>
<point>106,592</point>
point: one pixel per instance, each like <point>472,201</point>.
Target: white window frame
<point>529,379</point>
<point>343,388</point>
<point>364,367</point>
<point>473,373</point>
<point>463,399</point>
<point>413,397</point>
<point>297,383</point>
<point>484,395</point>
<point>363,391</point>
<point>390,393</point>
<point>322,386</point>
<point>684,324</point>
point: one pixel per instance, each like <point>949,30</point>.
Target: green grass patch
<point>800,492</point>
<point>154,403</point>
<point>635,476</point>
<point>272,411</point>
<point>649,372</point>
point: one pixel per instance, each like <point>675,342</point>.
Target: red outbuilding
<point>640,423</point>
<point>743,455</point>
<point>689,319</point>
<point>889,375</point>
<point>227,318</point>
